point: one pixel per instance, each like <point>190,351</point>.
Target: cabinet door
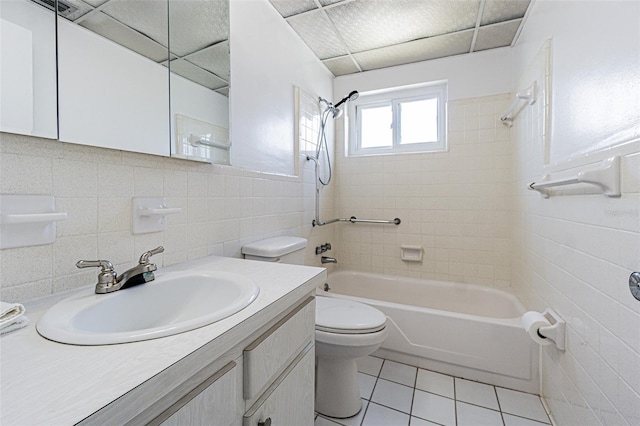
<point>290,400</point>
<point>217,401</point>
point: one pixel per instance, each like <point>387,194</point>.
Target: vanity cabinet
<point>267,377</point>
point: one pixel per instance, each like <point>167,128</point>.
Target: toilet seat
<point>347,317</point>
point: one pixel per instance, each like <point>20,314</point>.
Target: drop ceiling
<point>351,36</point>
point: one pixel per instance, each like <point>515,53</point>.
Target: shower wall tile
<point>223,208</point>
<point>456,204</point>
<point>574,253</point>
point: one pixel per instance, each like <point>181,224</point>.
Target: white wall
<point>267,60</point>
<point>478,74</point>
<point>574,252</point>
<point>596,70</point>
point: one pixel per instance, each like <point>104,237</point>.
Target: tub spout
<point>326,259</point>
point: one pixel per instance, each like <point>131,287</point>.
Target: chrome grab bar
<point>352,219</point>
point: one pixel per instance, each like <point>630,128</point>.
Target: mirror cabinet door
<point>199,45</point>
<point>28,75</point>
<point>113,79</point>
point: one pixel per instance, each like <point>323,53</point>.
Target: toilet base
<point>337,388</point>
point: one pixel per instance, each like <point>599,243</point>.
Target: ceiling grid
<point>351,36</point>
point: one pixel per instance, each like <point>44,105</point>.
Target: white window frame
<point>394,97</point>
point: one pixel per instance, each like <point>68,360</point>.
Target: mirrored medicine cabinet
<point>149,76</point>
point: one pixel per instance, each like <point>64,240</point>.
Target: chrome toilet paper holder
<point>555,331</point>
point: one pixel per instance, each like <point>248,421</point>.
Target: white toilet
<point>345,331</point>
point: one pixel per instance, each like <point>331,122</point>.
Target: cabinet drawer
<point>215,401</point>
<point>290,399</point>
<point>270,354</point>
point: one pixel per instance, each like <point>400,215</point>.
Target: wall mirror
<point>148,76</point>
<point>28,76</point>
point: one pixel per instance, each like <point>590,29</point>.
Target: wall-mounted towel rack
<point>605,175</point>
<point>149,213</point>
<point>528,95</point>
<point>28,220</point>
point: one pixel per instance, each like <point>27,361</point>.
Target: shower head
<point>350,97</point>
<point>335,110</point>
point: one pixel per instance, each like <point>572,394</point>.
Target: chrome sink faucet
<point>109,281</point>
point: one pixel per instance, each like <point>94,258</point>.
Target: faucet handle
<point>104,264</point>
<point>107,276</point>
<point>144,259</point>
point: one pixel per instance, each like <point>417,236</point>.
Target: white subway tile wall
<point>223,208</point>
<point>574,252</point>
<point>455,204</point>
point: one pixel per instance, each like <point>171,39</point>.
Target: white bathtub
<point>464,330</point>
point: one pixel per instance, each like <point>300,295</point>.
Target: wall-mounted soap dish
<point>411,253</point>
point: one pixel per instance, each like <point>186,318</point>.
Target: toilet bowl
<point>345,331</point>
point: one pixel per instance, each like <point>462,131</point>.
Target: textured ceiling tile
<point>148,17</point>
<point>196,74</point>
<point>95,3</point>
<point>113,30</point>
<point>498,35</point>
<point>369,24</point>
<point>329,2</point>
<point>341,66</point>
<point>288,8</point>
<point>316,31</point>
<point>214,59</point>
<point>503,10</point>
<point>196,24</point>
<point>416,51</point>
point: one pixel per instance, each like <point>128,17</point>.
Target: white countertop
<point>44,382</point>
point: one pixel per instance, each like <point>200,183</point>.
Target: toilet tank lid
<point>274,247</point>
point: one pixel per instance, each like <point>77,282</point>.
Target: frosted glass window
<point>399,120</point>
<point>418,121</point>
<point>377,129</point>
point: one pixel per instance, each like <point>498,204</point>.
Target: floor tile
<point>522,404</point>
<point>355,420</point>
<point>433,382</point>
<point>511,420</point>
<point>370,365</point>
<point>378,415</point>
<point>434,408</point>
<point>472,415</point>
<point>321,421</point>
<point>416,421</point>
<point>399,373</point>
<point>366,383</point>
<point>393,395</point>
<point>476,393</point>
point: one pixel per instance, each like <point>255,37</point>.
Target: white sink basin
<point>173,303</point>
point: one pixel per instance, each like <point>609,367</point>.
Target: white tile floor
<point>395,394</point>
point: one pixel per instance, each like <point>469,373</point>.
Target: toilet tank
<point>277,249</point>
